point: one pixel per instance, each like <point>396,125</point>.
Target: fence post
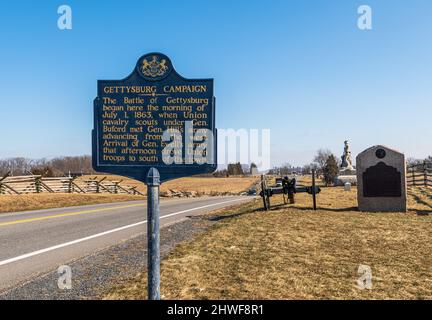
<point>413,175</point>
<point>425,173</point>
<point>38,184</point>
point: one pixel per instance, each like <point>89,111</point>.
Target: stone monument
<point>381,180</point>
<point>347,172</point>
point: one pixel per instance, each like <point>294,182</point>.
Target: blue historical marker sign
<point>154,118</point>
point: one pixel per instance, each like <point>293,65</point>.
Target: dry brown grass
<point>202,184</point>
<point>11,203</point>
<point>293,252</point>
<point>209,185</point>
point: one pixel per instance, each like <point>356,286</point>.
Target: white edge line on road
<point>66,244</point>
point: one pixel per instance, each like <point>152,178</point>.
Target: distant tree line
<point>325,164</point>
<point>63,166</point>
<point>233,169</point>
<point>236,169</point>
<point>285,170</point>
<point>413,161</point>
<point>60,166</point>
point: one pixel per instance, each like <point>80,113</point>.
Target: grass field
<point>11,203</point>
<point>206,185</point>
<point>293,252</point>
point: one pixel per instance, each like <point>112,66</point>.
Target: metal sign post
<point>153,237</point>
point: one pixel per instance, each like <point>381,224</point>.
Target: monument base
<point>342,179</point>
<point>347,172</point>
<point>383,204</point>
<point>346,175</point>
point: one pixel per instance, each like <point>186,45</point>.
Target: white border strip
<point>70,243</point>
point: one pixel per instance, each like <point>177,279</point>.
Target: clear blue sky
<point>301,68</point>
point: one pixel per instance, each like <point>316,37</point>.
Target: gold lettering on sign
<point>130,89</point>
<point>187,89</point>
<point>134,117</point>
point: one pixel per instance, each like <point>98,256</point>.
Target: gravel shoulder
<point>92,276</point>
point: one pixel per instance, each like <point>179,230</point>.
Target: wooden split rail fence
<point>420,174</point>
<point>38,184</point>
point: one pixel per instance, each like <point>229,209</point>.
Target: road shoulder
<point>94,274</point>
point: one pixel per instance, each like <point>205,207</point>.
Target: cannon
<point>288,188</point>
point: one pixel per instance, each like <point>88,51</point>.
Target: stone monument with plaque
<point>381,180</point>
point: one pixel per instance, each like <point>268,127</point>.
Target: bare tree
<point>320,159</point>
<point>16,166</point>
<point>58,166</point>
<point>413,161</point>
<point>306,169</point>
<point>76,165</point>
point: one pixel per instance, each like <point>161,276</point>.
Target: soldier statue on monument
<point>347,172</point>
<point>346,157</point>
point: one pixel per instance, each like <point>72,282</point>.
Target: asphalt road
<point>36,242</point>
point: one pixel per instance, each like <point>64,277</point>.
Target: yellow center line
<point>9,223</point>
